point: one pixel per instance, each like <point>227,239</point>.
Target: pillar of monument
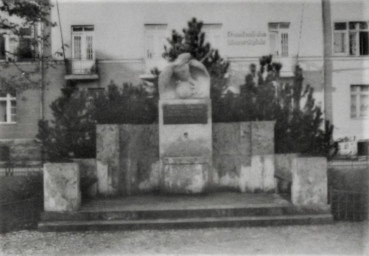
<point>185,126</point>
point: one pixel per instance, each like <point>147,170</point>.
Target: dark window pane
<point>284,25</point>
<point>352,25</point>
<point>340,26</point>
<point>3,111</point>
<point>89,28</point>
<point>25,49</point>
<point>363,25</point>
<point>2,47</point>
<point>364,43</point>
<point>273,26</point>
<point>77,28</point>
<point>25,31</point>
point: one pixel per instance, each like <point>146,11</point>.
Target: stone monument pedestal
<point>185,134</point>
<point>185,175</point>
<point>185,127</point>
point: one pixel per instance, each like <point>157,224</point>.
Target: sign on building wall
<point>249,38</point>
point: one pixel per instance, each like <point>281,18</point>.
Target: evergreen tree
<point>72,132</point>
<point>300,127</point>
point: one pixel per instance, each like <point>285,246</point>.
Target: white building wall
<point>346,71</point>
<point>119,26</point>
<point>120,36</point>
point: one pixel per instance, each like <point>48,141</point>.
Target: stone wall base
<point>61,187</point>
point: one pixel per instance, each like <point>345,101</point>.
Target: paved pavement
<point>340,238</point>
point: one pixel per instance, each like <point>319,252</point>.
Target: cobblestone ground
<point>340,238</point>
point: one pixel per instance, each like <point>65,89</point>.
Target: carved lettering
<point>185,114</point>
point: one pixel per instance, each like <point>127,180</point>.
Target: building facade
<point>347,67</point>
<point>122,40</point>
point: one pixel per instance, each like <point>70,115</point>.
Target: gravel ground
<point>340,238</point>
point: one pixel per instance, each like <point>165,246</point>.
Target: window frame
<point>347,31</point>
<point>8,98</point>
<point>84,42</point>
<point>357,93</point>
<point>281,31</point>
<point>12,53</point>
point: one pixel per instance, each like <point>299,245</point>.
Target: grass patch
<point>21,200</point>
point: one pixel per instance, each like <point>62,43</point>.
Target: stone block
<point>226,138</point>
<point>61,187</point>
<point>104,184</point>
<point>309,181</point>
<point>185,175</point>
<point>139,151</point>
<point>245,138</point>
<point>260,176</point>
<point>88,174</point>
<point>283,165</point>
<point>108,158</point>
<point>262,138</point>
<point>232,138</point>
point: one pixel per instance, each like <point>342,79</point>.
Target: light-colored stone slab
<point>107,156</point>
<point>309,181</point>
<point>283,165</point>
<point>262,137</point>
<point>268,173</point>
<point>260,176</point>
<point>188,177</point>
<point>243,179</point>
<point>87,169</point>
<point>61,187</point>
<point>104,185</point>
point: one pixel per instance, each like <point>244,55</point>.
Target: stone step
<point>185,223</point>
<point>85,215</point>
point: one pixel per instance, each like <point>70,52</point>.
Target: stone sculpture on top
<point>185,78</point>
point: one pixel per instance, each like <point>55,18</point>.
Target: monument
<point>185,126</point>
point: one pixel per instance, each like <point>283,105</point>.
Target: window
<point>2,47</point>
<point>83,42</point>
<point>26,50</point>
<point>17,47</point>
<point>351,38</point>
<point>155,39</point>
<point>278,38</point>
<point>213,35</point>
<point>8,108</point>
<point>360,101</point>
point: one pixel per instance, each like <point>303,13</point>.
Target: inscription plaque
<point>185,114</point>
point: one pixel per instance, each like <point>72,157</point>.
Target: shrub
<point>71,134</point>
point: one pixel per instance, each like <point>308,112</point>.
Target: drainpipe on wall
<point>42,83</point>
<point>327,60</point>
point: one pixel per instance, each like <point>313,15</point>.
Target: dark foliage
<point>76,112</point>
<point>298,129</point>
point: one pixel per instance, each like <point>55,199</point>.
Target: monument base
<point>185,175</point>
